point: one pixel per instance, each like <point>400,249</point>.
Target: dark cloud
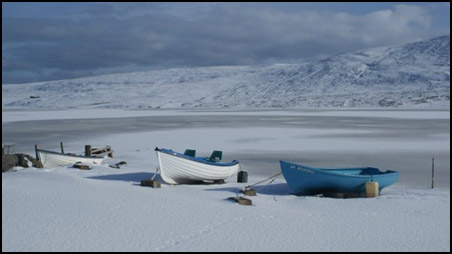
<point>103,37</point>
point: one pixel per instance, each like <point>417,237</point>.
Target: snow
<point>105,209</point>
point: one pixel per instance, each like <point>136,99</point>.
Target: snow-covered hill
<point>410,75</point>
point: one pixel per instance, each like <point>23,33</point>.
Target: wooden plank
<point>150,183</point>
<point>242,200</point>
<point>249,192</point>
<point>82,166</point>
<point>102,151</point>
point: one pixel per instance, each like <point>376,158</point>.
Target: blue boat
<point>303,180</point>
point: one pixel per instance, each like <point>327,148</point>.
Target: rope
<point>157,170</point>
<point>268,184</point>
<point>263,181</point>
<point>272,178</point>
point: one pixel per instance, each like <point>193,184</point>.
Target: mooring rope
<point>272,178</point>
<point>268,184</point>
<point>263,181</point>
<point>157,170</point>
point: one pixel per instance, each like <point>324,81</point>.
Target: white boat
<point>178,168</point>
<point>51,159</point>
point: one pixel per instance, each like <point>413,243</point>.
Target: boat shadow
<point>280,189</point>
<point>128,177</point>
<point>234,190</point>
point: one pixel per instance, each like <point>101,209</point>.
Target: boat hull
<point>178,169</point>
<point>303,180</point>
<point>51,159</point>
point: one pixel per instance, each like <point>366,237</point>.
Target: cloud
<point>149,36</point>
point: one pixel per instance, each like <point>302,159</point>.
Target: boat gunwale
<point>201,160</point>
<point>70,155</point>
<point>326,171</point>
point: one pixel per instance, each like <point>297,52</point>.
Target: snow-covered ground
<point>105,209</point>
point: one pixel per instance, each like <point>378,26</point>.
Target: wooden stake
<point>36,152</point>
<point>433,172</point>
<point>110,152</point>
<point>62,148</point>
<point>87,150</point>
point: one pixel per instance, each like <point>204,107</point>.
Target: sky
<point>53,41</point>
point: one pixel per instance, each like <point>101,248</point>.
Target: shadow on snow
<point>128,177</point>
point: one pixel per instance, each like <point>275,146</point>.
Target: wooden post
<point>87,150</point>
<point>62,148</point>
<point>433,172</point>
<point>110,152</point>
<point>36,152</point>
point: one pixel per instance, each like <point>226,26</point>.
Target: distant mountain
<point>413,75</point>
